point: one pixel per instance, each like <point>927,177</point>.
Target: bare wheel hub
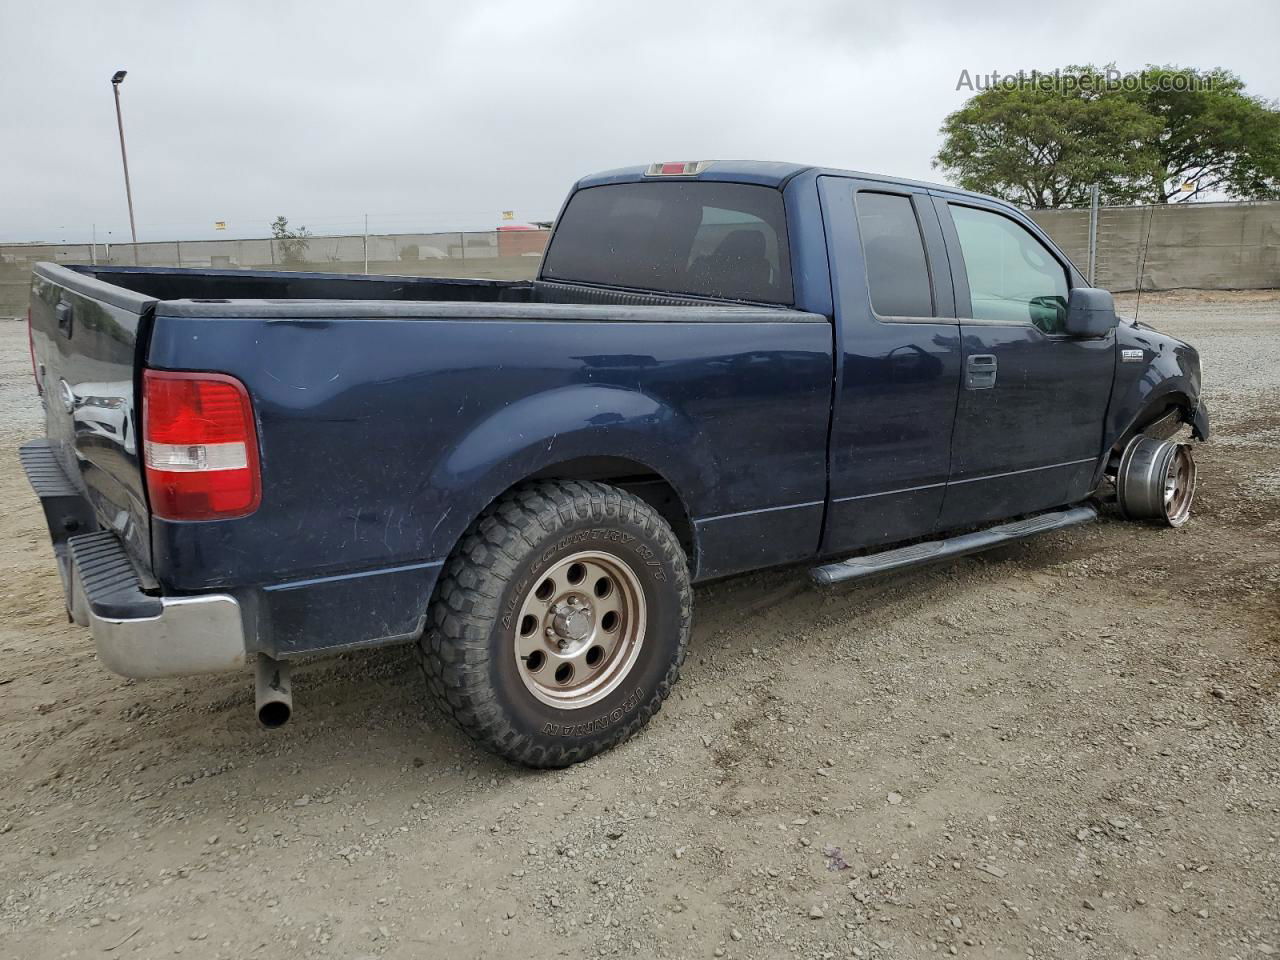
<point>1156,480</point>
<point>580,629</point>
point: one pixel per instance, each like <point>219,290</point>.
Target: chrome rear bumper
<point>138,634</point>
<point>166,637</point>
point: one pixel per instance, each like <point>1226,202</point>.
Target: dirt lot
<point>1067,748</point>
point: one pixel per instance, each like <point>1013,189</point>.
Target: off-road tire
<point>467,648</point>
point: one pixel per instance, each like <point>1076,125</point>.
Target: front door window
<point>1012,276</point>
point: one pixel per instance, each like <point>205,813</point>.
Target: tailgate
<point>85,339</point>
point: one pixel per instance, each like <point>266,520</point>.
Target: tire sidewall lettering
<point>596,724</point>
<point>511,602</point>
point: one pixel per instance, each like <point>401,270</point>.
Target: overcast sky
<point>441,115</point>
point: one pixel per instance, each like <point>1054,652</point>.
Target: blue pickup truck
<point>720,367</point>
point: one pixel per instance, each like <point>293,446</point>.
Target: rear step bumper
<point>922,553</point>
<point>137,634</point>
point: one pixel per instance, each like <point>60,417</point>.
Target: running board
<point>921,553</point>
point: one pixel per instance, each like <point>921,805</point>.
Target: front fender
<point>1154,373</point>
<point>555,426</point>
<point>1200,422</point>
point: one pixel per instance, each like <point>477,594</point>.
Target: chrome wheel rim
<point>580,629</point>
<point>1179,486</point>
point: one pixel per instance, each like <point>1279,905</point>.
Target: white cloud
<point>440,115</point>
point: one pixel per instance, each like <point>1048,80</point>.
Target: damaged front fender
<point>1156,375</point>
<point>1200,422</point>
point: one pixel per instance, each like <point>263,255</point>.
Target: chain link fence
<point>1210,246</point>
<point>511,254</point>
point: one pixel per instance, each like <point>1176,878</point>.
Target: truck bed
<point>390,410</point>
<point>174,283</point>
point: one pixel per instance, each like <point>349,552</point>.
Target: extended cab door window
<point>1012,276</point>
<point>893,250</point>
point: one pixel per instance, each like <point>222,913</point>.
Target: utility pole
<point>117,79</point>
<point>366,244</point>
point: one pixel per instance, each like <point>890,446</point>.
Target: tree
<point>1213,135</point>
<point>293,243</point>
<point>1043,143</point>
<point>1042,140</point>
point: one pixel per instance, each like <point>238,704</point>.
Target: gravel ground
<point>1066,748</point>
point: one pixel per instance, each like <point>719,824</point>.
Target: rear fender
<point>534,434</point>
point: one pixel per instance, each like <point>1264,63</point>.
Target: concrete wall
<point>1208,246</point>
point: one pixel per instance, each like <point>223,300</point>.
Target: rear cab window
<point>696,238</point>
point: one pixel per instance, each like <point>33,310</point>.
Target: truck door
<point>897,356</point>
<point>1028,430</point>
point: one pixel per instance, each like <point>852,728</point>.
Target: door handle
<point>64,315</point>
<point>980,371</point>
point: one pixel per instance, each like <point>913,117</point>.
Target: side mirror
<point>1090,313</point>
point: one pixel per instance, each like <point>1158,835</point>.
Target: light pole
<point>117,79</point>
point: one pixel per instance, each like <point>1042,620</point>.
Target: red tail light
<point>201,446</point>
<point>31,345</point>
<point>677,168</point>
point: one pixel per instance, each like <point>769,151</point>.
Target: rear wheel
<point>560,622</point>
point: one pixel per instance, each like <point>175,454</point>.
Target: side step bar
<point>922,553</point>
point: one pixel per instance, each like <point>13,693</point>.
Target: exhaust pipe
<point>274,692</point>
